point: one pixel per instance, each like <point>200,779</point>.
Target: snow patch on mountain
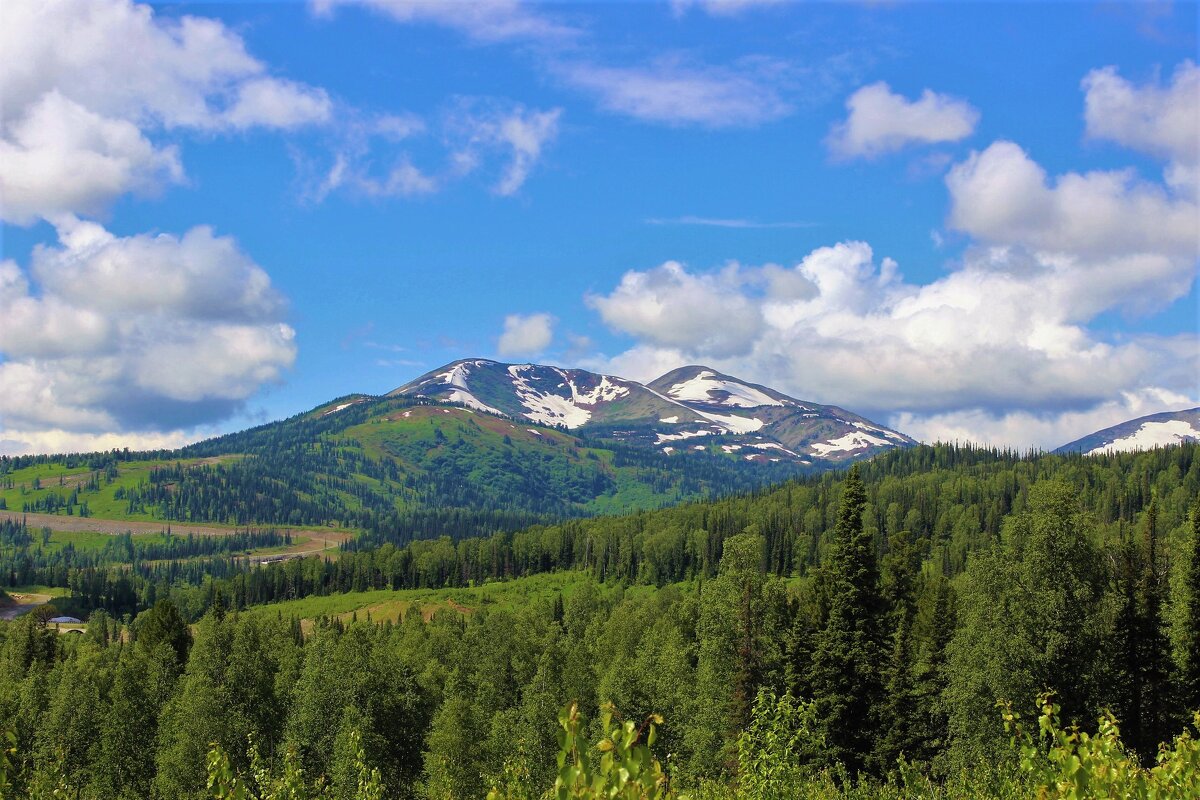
<point>773,446</point>
<point>470,401</point>
<point>695,401</point>
<point>605,391</point>
<point>873,429</point>
<point>732,422</point>
<point>544,408</point>
<point>457,374</point>
<point>1151,435</point>
<point>673,437</point>
<point>335,409</point>
<point>706,387</point>
<point>851,441</point>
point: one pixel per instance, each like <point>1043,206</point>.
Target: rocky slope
<point>692,408</point>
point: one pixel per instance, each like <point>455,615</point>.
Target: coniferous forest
<point>934,622</point>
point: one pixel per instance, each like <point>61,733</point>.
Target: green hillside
<point>382,464</point>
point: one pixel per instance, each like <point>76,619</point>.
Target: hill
<point>400,465</point>
<point>1143,433</point>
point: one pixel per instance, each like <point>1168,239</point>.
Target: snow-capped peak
<point>1143,433</point>
<point>707,386</point>
<point>686,403</point>
<point>1151,435</point>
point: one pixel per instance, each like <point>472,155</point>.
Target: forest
<point>398,468</point>
<point>933,623</point>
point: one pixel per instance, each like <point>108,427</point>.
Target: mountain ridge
<point>688,402</point>
<point>1140,433</point>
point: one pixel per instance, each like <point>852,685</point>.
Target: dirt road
<point>113,526</point>
<point>24,604</point>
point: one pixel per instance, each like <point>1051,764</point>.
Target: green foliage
<point>163,624</point>
<point>1033,615</point>
<point>624,770</point>
<point>399,468</point>
<point>777,747</point>
<point>8,749</point>
<point>996,576</point>
<point>1071,764</point>
<point>1143,666</point>
<point>730,661</point>
<point>288,781</point>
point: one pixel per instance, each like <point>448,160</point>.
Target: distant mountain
<point>1142,433</point>
<point>472,448</point>
<point>693,408</point>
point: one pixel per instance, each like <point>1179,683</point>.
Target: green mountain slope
<point>394,465</point>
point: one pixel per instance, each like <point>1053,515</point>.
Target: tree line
<point>881,658</point>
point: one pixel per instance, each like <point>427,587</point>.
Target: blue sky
<point>970,220</point>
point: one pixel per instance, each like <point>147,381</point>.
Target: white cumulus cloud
<point>1161,121</point>
<point>62,158</point>
<point>145,335</point>
<point>525,335</point>
<point>1114,240</point>
<point>1164,121</point>
<point>881,121</point>
<point>989,340</point>
<point>89,84</point>
<point>670,307</point>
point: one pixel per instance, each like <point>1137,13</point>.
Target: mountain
<point>544,395</point>
<point>1143,433</point>
<point>472,448</point>
<point>693,408</point>
<point>401,467</point>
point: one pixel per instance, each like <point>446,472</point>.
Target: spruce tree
<point>1189,672</point>
<point>902,729</point>
<point>1143,650</point>
<point>931,669</point>
<point>847,681</point>
<point>1155,648</point>
<point>1127,694</point>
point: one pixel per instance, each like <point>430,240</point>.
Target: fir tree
<point>931,669</point>
<point>902,734</point>
<point>1143,673</point>
<point>1189,672</point>
<point>847,684</point>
